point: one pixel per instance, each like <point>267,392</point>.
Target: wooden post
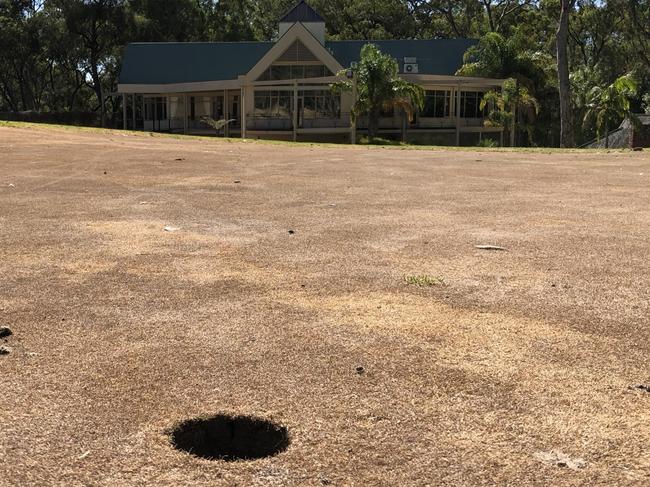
<point>124,111</point>
<point>295,110</point>
<point>458,115</point>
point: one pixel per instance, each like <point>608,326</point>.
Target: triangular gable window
<point>297,62</point>
<point>297,53</point>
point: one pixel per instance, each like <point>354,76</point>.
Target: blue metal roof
<point>434,56</point>
<point>188,62</point>
<point>177,62</point>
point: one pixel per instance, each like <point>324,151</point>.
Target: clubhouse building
<point>281,89</point>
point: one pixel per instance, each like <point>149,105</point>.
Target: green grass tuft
<point>424,280</point>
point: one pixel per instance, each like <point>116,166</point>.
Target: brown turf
<point>121,329</point>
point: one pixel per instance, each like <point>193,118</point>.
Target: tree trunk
<point>566,115</point>
<point>513,128</point>
<point>607,134</point>
<point>373,123</point>
<point>97,88</point>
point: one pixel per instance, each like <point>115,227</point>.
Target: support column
<point>185,114</point>
<point>226,114</point>
<point>155,114</point>
<point>133,105</point>
<point>295,110</point>
<point>124,111</point>
<point>242,105</point>
<point>353,118</point>
<point>143,112</point>
<point>458,115</point>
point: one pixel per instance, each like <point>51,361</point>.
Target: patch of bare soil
<point>356,298</point>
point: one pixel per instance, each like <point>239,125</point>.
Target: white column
<point>295,110</point>
<point>242,106</point>
<point>458,115</point>
<point>353,119</point>
<point>226,114</point>
<point>185,114</point>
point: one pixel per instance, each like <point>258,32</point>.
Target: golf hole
<point>230,438</point>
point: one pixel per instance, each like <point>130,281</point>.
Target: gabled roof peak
<point>302,12</point>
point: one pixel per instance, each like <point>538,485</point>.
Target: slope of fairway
<point>337,291</point>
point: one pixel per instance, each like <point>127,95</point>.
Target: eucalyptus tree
<point>564,84</point>
<point>99,29</point>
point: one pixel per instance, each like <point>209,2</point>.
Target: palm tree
<point>379,87</point>
<point>217,125</point>
<point>496,56</point>
<point>606,105</point>
<point>507,105</point>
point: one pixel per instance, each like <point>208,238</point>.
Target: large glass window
<point>470,104</point>
<point>320,104</point>
<point>297,71</point>
<point>437,104</point>
<point>155,108</point>
<point>315,104</point>
<point>200,106</point>
<point>272,103</point>
<point>176,107</point>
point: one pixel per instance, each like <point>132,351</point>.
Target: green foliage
<point>64,55</point>
<point>217,125</point>
<point>488,143</point>
<point>379,87</point>
<point>610,104</point>
<point>496,56</point>
<point>510,107</point>
<point>379,141</point>
<point>423,280</point>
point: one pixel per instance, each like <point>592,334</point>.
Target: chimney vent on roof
<point>302,12</point>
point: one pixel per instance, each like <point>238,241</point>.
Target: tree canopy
<point>380,89</point>
<point>64,55</point>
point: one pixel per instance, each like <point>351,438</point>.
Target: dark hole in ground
<point>230,438</point>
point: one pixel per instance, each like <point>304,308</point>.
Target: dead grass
<point>122,330</point>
